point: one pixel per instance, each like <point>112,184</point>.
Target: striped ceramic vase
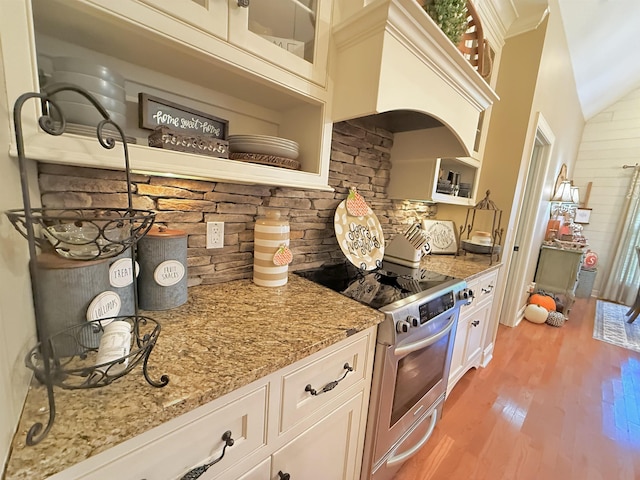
<point>271,233</point>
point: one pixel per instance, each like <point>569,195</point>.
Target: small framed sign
<point>582,215</point>
<point>155,112</point>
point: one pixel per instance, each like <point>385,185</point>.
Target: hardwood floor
<point>554,403</point>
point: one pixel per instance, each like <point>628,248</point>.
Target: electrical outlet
<point>215,234</point>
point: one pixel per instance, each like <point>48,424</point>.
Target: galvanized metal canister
<point>271,232</point>
<point>72,292</point>
<point>121,279</point>
<point>162,255</point>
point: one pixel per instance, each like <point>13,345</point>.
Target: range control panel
<point>436,306</point>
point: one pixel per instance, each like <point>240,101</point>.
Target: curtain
<point>623,280</point>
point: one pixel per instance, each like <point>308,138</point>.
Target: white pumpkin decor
<point>536,313</point>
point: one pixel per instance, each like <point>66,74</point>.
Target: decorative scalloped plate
<point>360,238</point>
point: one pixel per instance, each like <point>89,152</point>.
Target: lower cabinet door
<point>477,324</point>
<point>327,450</point>
<point>259,472</point>
<point>458,357</point>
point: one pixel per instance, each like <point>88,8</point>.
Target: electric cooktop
<point>377,288</point>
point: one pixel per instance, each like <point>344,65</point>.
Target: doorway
<point>525,250</point>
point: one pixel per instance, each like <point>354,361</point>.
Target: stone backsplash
<point>360,157</point>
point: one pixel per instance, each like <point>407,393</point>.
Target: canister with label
<point>162,282</point>
<point>121,280</point>
<point>71,293</point>
<point>271,237</point>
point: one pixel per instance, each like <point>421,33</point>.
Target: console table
<point>558,271</point>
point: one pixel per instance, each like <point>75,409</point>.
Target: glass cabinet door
<point>290,33</point>
<point>209,16</point>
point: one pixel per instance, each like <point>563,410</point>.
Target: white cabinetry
<point>293,35</point>
<point>277,424</point>
<point>189,52</point>
<point>259,472</point>
<point>289,35</point>
<point>414,174</point>
<point>474,323</point>
<point>418,180</point>
<point>209,17</point>
<point>325,451</point>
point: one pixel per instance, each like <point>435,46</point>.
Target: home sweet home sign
<point>156,112</point>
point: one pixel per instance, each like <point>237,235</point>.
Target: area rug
<point>610,326</point>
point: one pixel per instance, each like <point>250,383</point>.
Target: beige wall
<point>611,139</point>
<point>17,325</point>
<point>535,77</point>
<point>556,99</point>
<point>508,126</point>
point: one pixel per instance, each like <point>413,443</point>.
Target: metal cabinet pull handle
<point>330,385</point>
<point>475,323</point>
<point>488,289</point>
<point>196,472</point>
<point>284,476</point>
<point>243,3</point>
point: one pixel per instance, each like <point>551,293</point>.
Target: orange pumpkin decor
<point>544,301</point>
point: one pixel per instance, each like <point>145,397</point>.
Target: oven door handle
<point>397,459</point>
<point>425,342</point>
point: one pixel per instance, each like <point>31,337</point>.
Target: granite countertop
<point>464,266</point>
<point>223,338</point>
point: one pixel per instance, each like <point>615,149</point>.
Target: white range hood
<point>391,57</point>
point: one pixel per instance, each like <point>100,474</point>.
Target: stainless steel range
<point>412,359</point>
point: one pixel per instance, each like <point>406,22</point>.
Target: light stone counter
<point>464,266</point>
<point>224,337</point>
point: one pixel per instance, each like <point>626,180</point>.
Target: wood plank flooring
<point>554,403</point>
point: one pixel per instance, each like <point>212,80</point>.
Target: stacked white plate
<point>264,145</point>
<point>481,238</point>
<point>103,83</point>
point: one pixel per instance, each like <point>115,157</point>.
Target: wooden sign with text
<point>156,112</point>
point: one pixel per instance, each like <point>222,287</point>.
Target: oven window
<point>418,372</point>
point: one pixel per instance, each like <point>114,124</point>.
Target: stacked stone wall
<point>360,157</point>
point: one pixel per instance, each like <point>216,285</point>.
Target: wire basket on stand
<point>69,358</point>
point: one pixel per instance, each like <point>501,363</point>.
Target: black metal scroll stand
<point>47,366</point>
<point>485,205</point>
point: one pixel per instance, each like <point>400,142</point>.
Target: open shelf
<point>206,74</point>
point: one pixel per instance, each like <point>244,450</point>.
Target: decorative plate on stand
<point>359,237</point>
<point>442,236</point>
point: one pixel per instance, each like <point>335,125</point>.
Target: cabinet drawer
<point>298,403</point>
<point>170,452</point>
<point>482,288</point>
<point>474,286</point>
<point>486,286</point>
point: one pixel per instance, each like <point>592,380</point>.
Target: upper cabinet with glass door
<point>208,16</point>
<point>290,33</point>
<point>180,50</point>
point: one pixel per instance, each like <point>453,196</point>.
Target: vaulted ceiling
<point>604,46</point>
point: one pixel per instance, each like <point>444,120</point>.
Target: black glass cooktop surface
<point>375,288</point>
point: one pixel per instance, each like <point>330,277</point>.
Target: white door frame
<point>526,224</point>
